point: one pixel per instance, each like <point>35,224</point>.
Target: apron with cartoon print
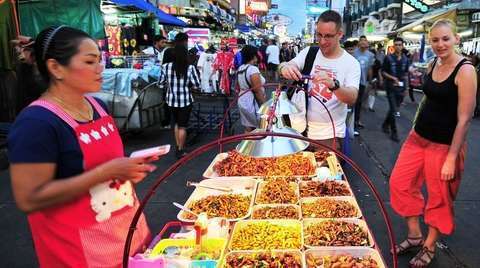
<point>91,230</point>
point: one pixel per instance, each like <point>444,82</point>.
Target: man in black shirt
<point>395,72</point>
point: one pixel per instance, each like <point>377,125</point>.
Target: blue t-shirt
<point>366,60</point>
<point>40,136</point>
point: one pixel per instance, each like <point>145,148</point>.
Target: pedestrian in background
<point>286,54</point>
<point>180,78</point>
<point>366,60</point>
<point>434,151</point>
<point>250,79</point>
<point>273,60</point>
<point>395,72</point>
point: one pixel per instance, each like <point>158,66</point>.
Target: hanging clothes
<point>114,40</point>
<point>224,63</point>
<point>209,78</point>
<point>129,41</point>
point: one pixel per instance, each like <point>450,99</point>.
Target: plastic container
<point>287,223</point>
<point>361,223</point>
<point>357,252</point>
<point>262,185</point>
<point>239,185</point>
<point>258,207</point>
<point>153,257</point>
<point>211,174</point>
<point>348,199</point>
<point>296,253</point>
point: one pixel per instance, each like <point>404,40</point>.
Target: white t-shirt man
<point>154,51</point>
<point>346,70</point>
<point>273,54</point>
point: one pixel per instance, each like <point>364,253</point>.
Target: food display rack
<point>373,249</point>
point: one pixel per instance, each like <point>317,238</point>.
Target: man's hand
<point>290,71</point>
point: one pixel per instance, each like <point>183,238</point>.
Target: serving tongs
<point>218,188</point>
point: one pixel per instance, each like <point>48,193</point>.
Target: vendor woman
<point>68,169</point>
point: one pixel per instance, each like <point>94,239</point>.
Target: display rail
<point>259,135</point>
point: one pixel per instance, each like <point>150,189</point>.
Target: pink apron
<point>91,230</point>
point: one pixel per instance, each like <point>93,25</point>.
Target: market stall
<point>290,209</point>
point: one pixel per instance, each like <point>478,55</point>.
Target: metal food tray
<point>273,252</point>
<point>357,252</point>
<point>344,182</point>
<point>361,223</point>
<point>258,207</point>
<point>211,174</point>
<point>244,186</point>
<point>288,223</point>
<point>261,185</point>
<point>349,199</point>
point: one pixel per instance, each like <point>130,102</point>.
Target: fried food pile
<point>266,235</point>
<point>230,206</point>
<point>278,191</point>
<point>328,208</point>
<point>276,212</point>
<point>335,234</point>
<point>323,188</point>
<point>239,165</point>
<point>269,260</point>
<point>341,261</point>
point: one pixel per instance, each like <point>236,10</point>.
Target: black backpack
<point>307,68</point>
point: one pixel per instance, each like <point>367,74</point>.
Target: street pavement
<point>373,151</point>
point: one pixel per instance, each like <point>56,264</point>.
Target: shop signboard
<point>372,26</point>
<point>197,35</point>
<point>418,5</point>
<point>257,5</point>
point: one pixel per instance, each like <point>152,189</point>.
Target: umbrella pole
<point>15,15</point>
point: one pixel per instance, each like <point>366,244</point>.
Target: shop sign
<point>259,6</point>
<point>418,5</point>
<point>276,19</point>
<point>476,17</point>
<point>197,36</point>
<point>280,30</point>
<point>371,26</point>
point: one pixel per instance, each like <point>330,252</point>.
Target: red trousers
<point>420,161</point>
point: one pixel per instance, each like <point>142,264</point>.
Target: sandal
<point>423,258</point>
<point>409,244</point>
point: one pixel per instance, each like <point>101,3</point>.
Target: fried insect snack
<point>266,235</point>
<point>276,212</point>
<point>278,191</point>
<point>335,234</point>
<point>230,206</point>
<point>321,156</point>
<point>323,188</point>
<point>343,260</point>
<point>236,164</point>
<point>279,260</point>
<point>328,208</point>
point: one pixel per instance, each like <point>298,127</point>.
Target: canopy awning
<point>429,19</point>
<point>162,17</point>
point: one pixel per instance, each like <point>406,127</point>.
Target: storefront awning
<point>162,17</point>
<point>429,18</point>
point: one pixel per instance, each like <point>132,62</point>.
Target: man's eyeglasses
<point>326,37</point>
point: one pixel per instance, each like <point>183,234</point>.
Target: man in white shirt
<point>157,49</point>
<point>336,79</point>
<point>273,59</point>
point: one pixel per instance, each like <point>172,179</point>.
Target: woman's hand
<point>448,169</point>
<point>134,169</point>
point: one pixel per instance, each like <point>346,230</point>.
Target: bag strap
<point>309,59</point>
<point>307,69</point>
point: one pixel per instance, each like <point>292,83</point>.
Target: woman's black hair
<point>57,42</point>
<point>180,63</point>
<point>249,53</point>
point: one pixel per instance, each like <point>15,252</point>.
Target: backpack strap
<point>309,59</point>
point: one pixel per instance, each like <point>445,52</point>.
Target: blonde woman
<point>434,151</point>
